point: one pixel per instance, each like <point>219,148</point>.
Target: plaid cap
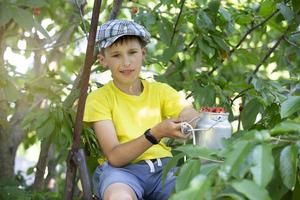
<point>109,32</point>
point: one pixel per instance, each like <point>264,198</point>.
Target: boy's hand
<point>168,128</point>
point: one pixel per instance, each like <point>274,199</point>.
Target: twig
<point>239,122</point>
<point>252,29</point>
<point>245,36</point>
<point>295,33</point>
<point>240,94</point>
<point>177,20</point>
<point>292,43</point>
<point>190,44</point>
<point>116,9</point>
<point>80,8</point>
<point>266,57</point>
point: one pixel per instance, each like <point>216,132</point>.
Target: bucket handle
<point>186,127</point>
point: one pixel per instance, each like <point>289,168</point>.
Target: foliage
<point>242,55</point>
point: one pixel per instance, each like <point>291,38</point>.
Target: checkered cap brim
<point>109,32</point>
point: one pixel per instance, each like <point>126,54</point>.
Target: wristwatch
<point>150,137</point>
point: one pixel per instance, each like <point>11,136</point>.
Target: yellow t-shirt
<point>133,115</point>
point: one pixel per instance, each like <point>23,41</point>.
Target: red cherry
<point>36,11</point>
<point>241,108</point>
<point>134,10</point>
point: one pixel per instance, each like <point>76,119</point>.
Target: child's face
<point>124,60</point>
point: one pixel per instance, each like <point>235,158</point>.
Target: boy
<point>130,116</point>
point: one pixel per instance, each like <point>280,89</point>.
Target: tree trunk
<point>7,158</point>
<point>7,155</point>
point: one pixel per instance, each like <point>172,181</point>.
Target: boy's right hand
<point>168,128</point>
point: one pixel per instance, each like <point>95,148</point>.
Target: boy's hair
<point>125,39</point>
<point>111,31</point>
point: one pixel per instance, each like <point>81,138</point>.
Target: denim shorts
<point>143,177</point>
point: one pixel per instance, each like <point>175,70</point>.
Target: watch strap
<point>150,137</point>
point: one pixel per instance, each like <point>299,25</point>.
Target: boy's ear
<point>102,59</point>
<point>144,51</point>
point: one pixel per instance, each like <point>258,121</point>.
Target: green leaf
<point>286,127</point>
<point>196,151</point>
<point>203,20</point>
<point>41,117</point>
<point>226,15</point>
<point>263,162</point>
<point>66,130</point>
<point>290,106</point>
<point>27,120</point>
<point>232,196</point>
<point>246,56</point>
<point>168,54</point>
<point>59,114</point>
<point>258,84</point>
<point>249,113</point>
<point>164,30</point>
<point>64,137</point>
<point>214,6</point>
<point>220,43</point>
<point>251,190</point>
<point>266,8</point>
<point>288,166</point>
<point>235,158</point>
<point>286,12</point>
<point>243,19</point>
<point>23,18</point>
<point>209,168</point>
<point>187,172</point>
<point>296,5</point>
<point>46,129</point>
<point>32,3</point>
<point>206,95</point>
<point>11,92</point>
<point>206,49</point>
<point>255,135</point>
<point>172,163</point>
<point>5,14</point>
<point>197,189</point>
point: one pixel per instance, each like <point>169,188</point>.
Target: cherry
<point>36,11</point>
<point>134,10</point>
<point>241,107</point>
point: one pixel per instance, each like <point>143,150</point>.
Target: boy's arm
<point>121,154</point>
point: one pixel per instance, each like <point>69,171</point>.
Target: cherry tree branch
<point>177,20</point>
<point>116,9</point>
<point>248,32</point>
<point>266,57</point>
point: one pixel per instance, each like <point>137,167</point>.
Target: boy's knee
<point>119,192</point>
<point>119,196</point>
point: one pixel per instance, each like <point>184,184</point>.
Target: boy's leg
<point>117,191</point>
<point>112,182</point>
<point>159,191</point>
<point>163,192</point>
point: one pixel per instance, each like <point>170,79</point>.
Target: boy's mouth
<point>126,71</point>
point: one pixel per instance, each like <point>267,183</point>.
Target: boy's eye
<point>115,55</point>
<point>133,52</point>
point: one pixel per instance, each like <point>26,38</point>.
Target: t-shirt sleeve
<point>97,108</point>
<point>172,102</point>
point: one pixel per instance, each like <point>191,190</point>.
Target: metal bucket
<point>211,128</point>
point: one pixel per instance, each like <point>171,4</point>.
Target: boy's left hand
<point>170,128</point>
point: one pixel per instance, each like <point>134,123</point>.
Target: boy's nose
<point>126,61</point>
